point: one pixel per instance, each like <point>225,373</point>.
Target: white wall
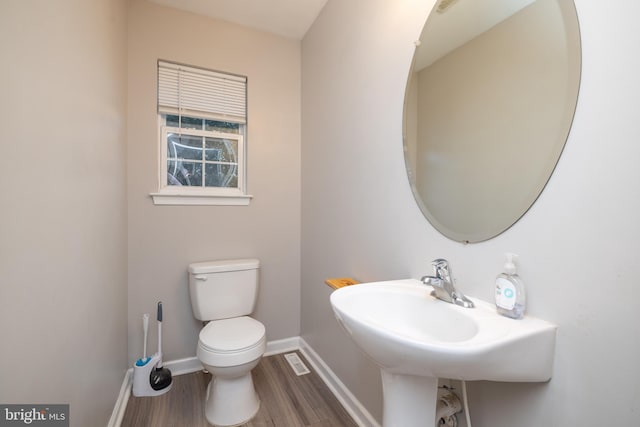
<point>163,240</point>
<point>578,245</point>
<point>63,298</point>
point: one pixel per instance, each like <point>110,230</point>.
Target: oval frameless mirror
<point>488,108</point>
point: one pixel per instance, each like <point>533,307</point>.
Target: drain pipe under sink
<point>449,405</point>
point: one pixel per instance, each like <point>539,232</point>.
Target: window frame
<point>201,195</point>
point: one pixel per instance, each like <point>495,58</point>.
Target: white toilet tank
<point>223,289</point>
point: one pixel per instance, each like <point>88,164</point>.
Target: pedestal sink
<point>416,339</point>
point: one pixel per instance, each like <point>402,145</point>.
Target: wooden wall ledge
<point>341,282</point>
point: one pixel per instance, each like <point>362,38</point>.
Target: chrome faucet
<point>444,284</point>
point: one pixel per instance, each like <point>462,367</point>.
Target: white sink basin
<point>408,331</point>
<point>416,339</point>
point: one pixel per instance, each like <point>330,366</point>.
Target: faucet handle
<point>443,284</point>
<point>442,269</point>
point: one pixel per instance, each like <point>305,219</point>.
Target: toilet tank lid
<point>223,265</point>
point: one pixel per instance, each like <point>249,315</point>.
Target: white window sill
<point>200,199</point>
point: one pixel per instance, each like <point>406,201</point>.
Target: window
<point>202,127</point>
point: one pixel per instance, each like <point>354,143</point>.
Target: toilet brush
<point>160,377</point>
<point>145,326</point>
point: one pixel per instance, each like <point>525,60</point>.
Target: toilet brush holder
<point>142,378</point>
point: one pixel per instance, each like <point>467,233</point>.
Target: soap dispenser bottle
<point>510,295</point>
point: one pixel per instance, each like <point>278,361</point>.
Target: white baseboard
<point>282,346</point>
<point>358,412</point>
<point>188,365</point>
<point>123,398</point>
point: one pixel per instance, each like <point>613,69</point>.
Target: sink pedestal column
<point>409,400</point>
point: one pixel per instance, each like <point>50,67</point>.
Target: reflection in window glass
<point>219,175</point>
<point>222,150</point>
<point>184,173</point>
<point>226,127</point>
<point>199,157</point>
<point>184,147</point>
<point>186,121</point>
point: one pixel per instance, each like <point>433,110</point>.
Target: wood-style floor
<point>286,400</point>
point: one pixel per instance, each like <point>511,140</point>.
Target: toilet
<point>223,293</point>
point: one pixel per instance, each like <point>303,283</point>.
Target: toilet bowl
<point>231,344</point>
<point>230,349</point>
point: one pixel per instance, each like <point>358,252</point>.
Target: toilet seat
<point>231,342</point>
<point>229,335</point>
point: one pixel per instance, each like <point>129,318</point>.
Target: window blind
<point>191,91</point>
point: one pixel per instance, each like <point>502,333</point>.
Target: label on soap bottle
<point>505,294</point>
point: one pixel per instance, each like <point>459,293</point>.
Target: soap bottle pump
<point>510,295</point>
